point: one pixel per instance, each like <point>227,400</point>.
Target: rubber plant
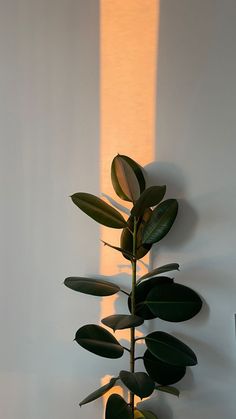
<point>153,295</point>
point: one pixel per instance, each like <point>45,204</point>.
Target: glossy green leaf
<point>157,271</point>
<point>170,390</point>
<point>160,222</point>
<point>148,415</point>
<point>141,292</point>
<point>122,321</point>
<point>162,372</point>
<point>117,408</point>
<point>149,198</point>
<point>99,392</point>
<point>138,383</point>
<point>127,178</point>
<point>126,240</point>
<point>91,286</point>
<point>99,210</point>
<point>173,302</point>
<point>169,349</point>
<point>99,341</point>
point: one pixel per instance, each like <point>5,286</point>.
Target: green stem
<point>132,330</point>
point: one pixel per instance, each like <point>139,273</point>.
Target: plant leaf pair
<point>161,297</point>
<point>129,182</point>
<point>141,292</point>
<point>138,383</point>
<point>170,350</point>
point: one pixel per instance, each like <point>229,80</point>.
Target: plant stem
<point>140,338</point>
<point>126,349</point>
<point>124,292</point>
<point>132,330</point>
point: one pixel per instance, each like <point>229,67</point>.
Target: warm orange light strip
<point>128,56</point>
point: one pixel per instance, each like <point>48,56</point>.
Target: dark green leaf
<point>173,302</point>
<point>127,178</point>
<point>169,349</point>
<point>117,408</point>
<point>141,292</point>
<point>160,222</point>
<point>162,269</point>
<point>166,389</point>
<point>149,198</point>
<point>91,286</point>
<point>99,392</point>
<point>122,321</point>
<point>98,340</point>
<point>138,383</point>
<point>126,240</point>
<point>148,415</point>
<point>99,210</point>
<point>162,372</point>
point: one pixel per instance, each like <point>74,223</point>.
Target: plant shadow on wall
<point>153,295</point>
<point>184,227</point>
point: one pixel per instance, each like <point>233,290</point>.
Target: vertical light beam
<point>128,71</point>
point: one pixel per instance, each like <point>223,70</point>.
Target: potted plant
<point>153,295</point>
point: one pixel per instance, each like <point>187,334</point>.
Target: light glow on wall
<point>128,71</point>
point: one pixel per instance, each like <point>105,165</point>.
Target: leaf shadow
<point>116,204</point>
<point>183,229</point>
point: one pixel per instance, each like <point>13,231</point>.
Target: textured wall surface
<point>49,133</point>
<point>49,149</point>
<point>196,148</point>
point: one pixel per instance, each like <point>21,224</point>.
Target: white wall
<point>196,149</point>
<point>50,148</point>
